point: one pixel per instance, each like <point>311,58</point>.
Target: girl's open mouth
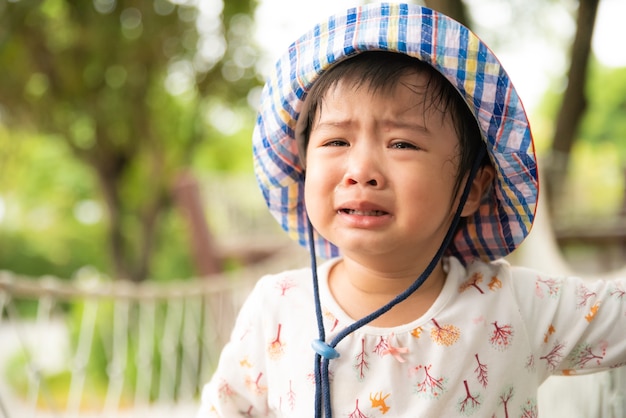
<point>363,212</point>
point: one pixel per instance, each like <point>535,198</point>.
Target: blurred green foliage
<point>596,182</point>
<point>605,120</point>
<point>104,103</point>
<point>41,186</point>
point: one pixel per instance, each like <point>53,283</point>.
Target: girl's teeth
<point>364,212</point>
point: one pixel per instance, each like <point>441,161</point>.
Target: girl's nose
<point>364,167</point>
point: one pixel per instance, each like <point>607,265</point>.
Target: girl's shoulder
<point>293,280</point>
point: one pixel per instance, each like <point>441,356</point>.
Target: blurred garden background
<point>126,188</point>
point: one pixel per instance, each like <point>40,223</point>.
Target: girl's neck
<point>360,290</point>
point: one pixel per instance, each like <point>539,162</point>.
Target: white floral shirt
<point>494,334</point>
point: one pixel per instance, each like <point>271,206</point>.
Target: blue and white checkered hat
<point>504,218</point>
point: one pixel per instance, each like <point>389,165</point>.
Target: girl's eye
<point>336,143</point>
<point>404,145</point>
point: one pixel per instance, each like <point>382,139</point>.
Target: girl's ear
<point>481,184</point>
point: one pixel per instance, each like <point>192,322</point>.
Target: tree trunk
<point>203,248</point>
<point>115,230</point>
<point>574,103</point>
<point>454,8</point>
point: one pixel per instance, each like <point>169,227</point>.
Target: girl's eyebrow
<point>386,123</point>
<point>410,125</point>
<point>333,123</point>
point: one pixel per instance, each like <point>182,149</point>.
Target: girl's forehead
<point>413,94</point>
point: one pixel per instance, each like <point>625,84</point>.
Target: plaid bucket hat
<point>505,216</point>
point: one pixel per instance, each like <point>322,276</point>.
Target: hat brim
<point>506,215</point>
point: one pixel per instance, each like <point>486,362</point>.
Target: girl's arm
<point>576,325</point>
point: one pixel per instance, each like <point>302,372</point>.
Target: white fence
<point>102,349</point>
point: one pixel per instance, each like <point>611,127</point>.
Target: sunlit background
<point>533,59</point>
<point>125,160</point>
<point>534,46</point>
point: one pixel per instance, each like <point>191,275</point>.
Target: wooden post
<point>204,251</point>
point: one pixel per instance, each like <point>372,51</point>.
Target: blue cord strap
<point>320,326</point>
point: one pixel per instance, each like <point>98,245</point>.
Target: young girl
<point>391,141</point>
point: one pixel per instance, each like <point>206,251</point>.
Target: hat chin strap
<point>324,352</point>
